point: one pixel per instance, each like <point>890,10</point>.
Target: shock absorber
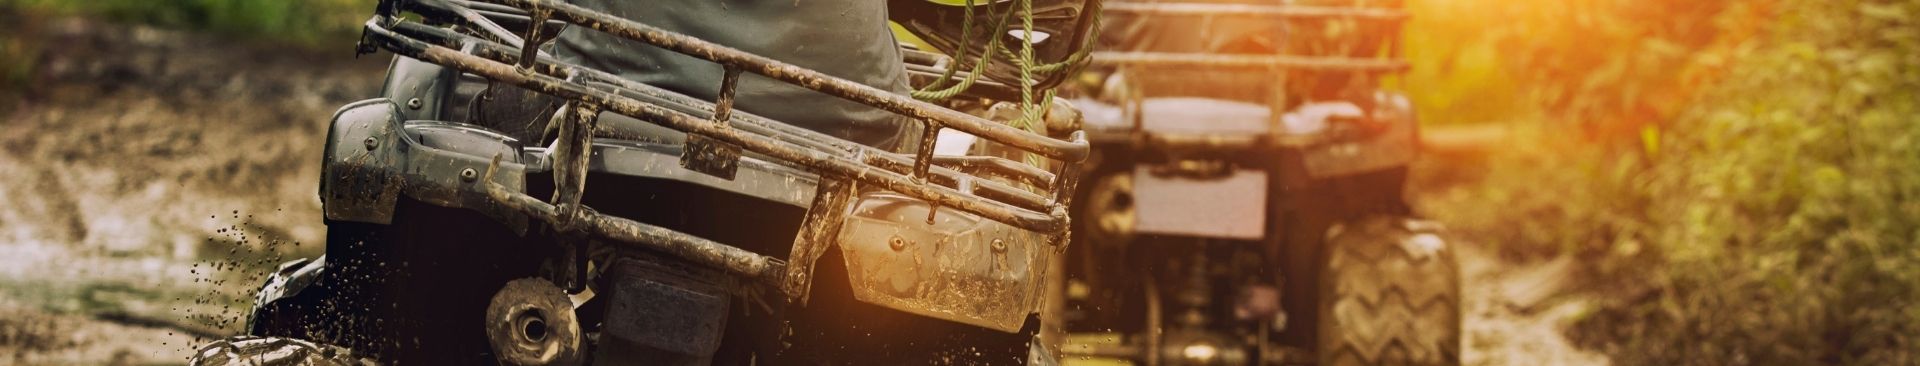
<point>1197,292</point>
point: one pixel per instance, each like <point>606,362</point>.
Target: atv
<point>460,229</point>
<point>1243,205</point>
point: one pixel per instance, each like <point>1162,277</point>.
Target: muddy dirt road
<point>153,176</point>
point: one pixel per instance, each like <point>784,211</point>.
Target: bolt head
<point>372,143</point>
<point>415,103</point>
<point>897,243</point>
<point>468,174</point>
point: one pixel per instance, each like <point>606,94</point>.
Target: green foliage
<point>1460,73</point>
<point>309,23</point>
<point>1592,84</point>
<point>1787,213</point>
<point>15,63</point>
<point>1772,217</point>
<point>1603,66</point>
<point>306,22</point>
<point>18,53</point>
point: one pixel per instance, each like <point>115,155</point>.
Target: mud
<point>1517,313</point>
<point>152,177</point>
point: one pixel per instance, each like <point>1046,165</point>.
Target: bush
<point>1786,214</point>
<point>1772,219</point>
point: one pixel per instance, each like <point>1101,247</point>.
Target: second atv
<point>1243,205</point>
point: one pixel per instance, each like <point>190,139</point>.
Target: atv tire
<point>249,351</point>
<point>1390,296</point>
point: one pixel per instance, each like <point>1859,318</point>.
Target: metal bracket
<point>707,155</point>
<point>571,150</point>
<point>818,231</point>
<point>923,159</point>
<point>530,45</point>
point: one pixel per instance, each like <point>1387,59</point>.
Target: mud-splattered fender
<point>960,267</point>
<point>373,156</point>
<point>351,178</point>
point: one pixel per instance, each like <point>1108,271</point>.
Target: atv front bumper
<point>958,267</point>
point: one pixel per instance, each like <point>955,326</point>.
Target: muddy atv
<point>1243,205</point>
<point>461,230</point>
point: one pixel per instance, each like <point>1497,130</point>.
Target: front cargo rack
<point>1390,63</point>
<point>1020,195</point>
<point>1277,63</point>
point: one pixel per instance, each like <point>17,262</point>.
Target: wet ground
<point>1516,314</point>
<point>153,176</point>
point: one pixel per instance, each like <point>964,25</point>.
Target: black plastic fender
<point>420,86</point>
<point>1394,145</point>
<point>373,156</point>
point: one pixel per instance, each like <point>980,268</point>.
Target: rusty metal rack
<point>1204,143</point>
<point>478,46</point>
<point>1287,11</point>
<point>1278,61</point>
